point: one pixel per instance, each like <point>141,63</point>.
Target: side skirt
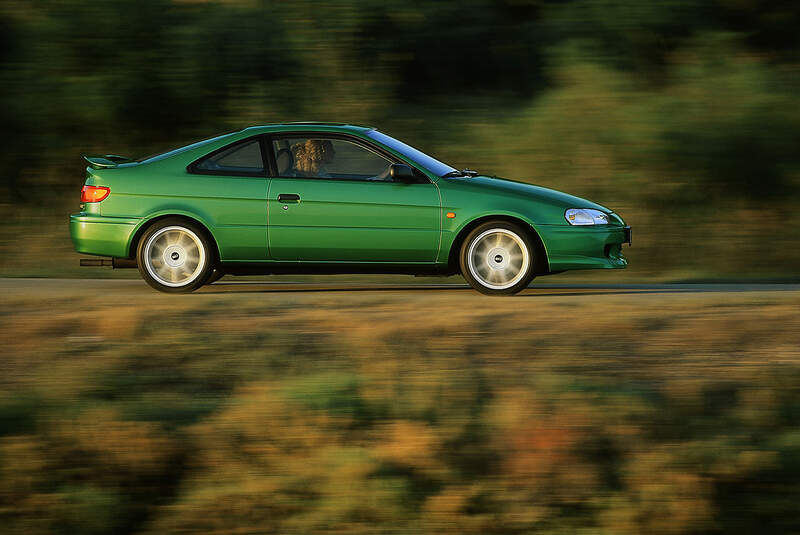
<point>286,268</point>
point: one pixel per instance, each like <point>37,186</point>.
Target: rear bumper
<point>98,235</point>
<point>573,247</point>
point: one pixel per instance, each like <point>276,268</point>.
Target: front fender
<point>455,229</point>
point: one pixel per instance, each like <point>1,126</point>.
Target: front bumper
<point>585,247</point>
<point>100,235</point>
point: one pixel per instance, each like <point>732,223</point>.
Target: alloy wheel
<point>498,258</point>
<point>174,256</point>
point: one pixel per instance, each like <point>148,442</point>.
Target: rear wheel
<point>497,258</point>
<point>175,256</point>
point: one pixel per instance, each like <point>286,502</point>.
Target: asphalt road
<point>108,287</point>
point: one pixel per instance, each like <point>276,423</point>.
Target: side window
<point>239,159</point>
<point>319,157</point>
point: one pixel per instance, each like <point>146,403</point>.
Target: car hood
<point>538,192</point>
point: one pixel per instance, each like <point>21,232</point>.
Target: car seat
<point>285,162</point>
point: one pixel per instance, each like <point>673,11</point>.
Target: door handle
<point>288,197</point>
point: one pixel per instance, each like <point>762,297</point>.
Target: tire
<point>215,275</point>
<point>498,258</point>
<point>175,256</point>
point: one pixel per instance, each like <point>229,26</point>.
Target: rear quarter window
<point>242,158</point>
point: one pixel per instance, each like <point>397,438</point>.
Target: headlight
<point>585,216</point>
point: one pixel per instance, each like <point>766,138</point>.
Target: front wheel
<point>174,256</point>
<point>497,258</point>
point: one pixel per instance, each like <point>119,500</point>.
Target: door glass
<point>316,157</point>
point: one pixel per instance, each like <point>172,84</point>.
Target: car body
<point>329,197</point>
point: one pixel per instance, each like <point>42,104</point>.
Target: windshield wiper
<point>463,172</point>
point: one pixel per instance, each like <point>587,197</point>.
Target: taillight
<point>94,193</point>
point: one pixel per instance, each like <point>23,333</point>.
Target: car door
<point>332,199</point>
<point>229,186</point>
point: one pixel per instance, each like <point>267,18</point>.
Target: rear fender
<point>150,218</point>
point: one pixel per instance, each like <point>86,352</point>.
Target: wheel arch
<point>542,265</point>
<point>142,227</point>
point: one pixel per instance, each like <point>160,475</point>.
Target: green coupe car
<point>330,198</point>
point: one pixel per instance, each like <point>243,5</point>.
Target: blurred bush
<point>682,115</point>
<point>676,418</point>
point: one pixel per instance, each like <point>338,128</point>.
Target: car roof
<point>309,125</point>
<point>300,126</point>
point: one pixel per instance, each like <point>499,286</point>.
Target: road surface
<point>29,287</point>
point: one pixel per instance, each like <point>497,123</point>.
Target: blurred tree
<point>452,48</point>
<point>730,127</point>
<point>684,101</point>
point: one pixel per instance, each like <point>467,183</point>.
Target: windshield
<point>428,162</point>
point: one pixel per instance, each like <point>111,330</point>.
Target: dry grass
<point>254,407</point>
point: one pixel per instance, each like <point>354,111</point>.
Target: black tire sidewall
<point>200,232</point>
<point>214,276</point>
<point>516,229</point>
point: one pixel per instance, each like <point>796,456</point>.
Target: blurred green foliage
<point>682,114</point>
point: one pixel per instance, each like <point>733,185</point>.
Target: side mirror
<point>402,173</point>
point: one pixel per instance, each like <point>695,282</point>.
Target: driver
<point>311,157</point>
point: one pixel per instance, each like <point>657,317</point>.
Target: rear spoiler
<point>109,160</point>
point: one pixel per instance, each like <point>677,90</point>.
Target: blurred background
<point>682,115</point>
<point>125,411</point>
